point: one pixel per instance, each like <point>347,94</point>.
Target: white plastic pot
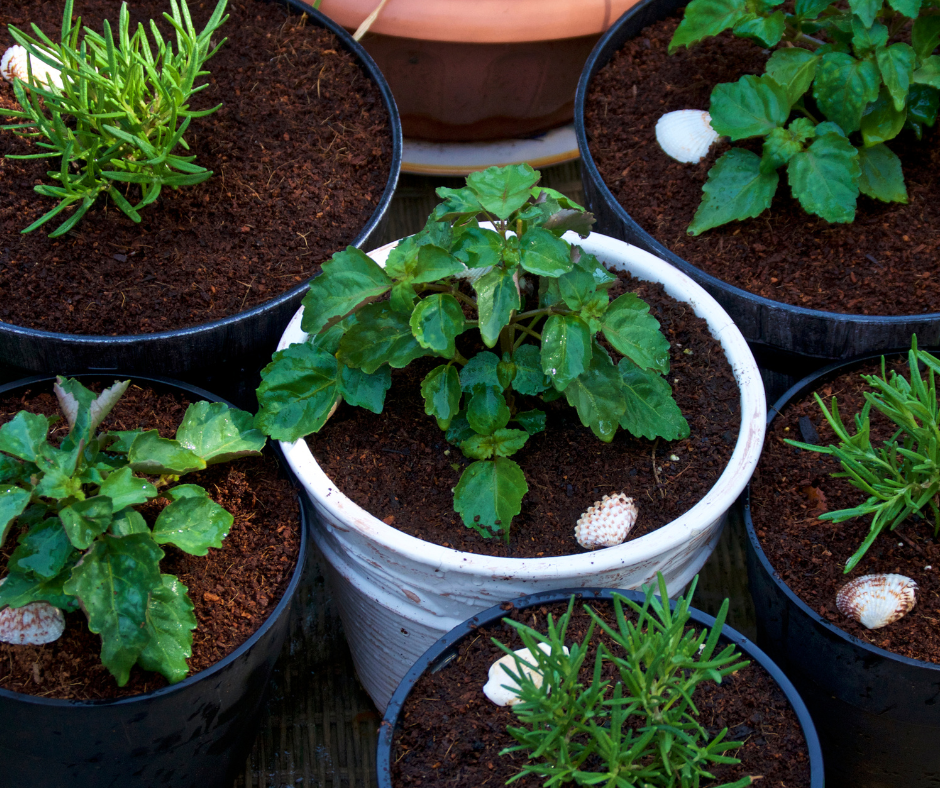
<point>398,594</point>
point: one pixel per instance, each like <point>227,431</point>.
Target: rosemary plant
<point>121,110</point>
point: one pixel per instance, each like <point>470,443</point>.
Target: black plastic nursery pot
<point>224,354</point>
<point>448,647</point>
<point>785,339</point>
<point>876,712</point>
<point>193,734</point>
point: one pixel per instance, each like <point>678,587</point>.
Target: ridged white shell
<point>606,523</point>
<point>33,624</point>
<point>877,600</point>
<point>13,64</point>
<point>686,134</point>
<point>498,676</point>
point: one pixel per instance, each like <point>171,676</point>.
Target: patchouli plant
<point>83,544</point>
<point>839,88</point>
<point>902,477</point>
<point>639,730</point>
<point>513,311</point>
<point>116,111</point>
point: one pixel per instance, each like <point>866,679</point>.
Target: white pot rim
<point>648,547</point>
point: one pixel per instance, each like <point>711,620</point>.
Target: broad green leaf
<point>349,278</point>
<point>543,254</point>
<point>810,9</point>
<point>925,35</point>
<point>124,489</point>
<point>218,433</point>
<point>13,502</point>
<point>489,494</point>
<point>881,121</point>
<point>651,412</point>
<point>501,443</point>
<point>780,146</point>
<point>480,372</point>
<point>707,18</point>
<point>85,520</point>
<point>635,333</point>
<point>479,248</point>
<point>529,377</point>
<point>843,88</point>
<point>20,589</point>
<point>824,178</point>
<point>867,39</point>
<point>434,263</point>
<point>401,300</point>
<point>193,524</point>
<point>751,107</point>
<point>149,453</point>
<point>456,203</point>
<point>113,582</point>
<point>298,389</point>
<point>119,441</point>
<point>576,220</point>
<point>736,189</point>
<point>793,69</point>
<point>381,336</point>
<point>505,372</point>
<point>597,397</point>
<point>532,421</point>
<point>403,259</point>
<point>56,467</point>
<point>24,435</point>
<point>549,294</point>
<point>459,429</point>
<point>566,348</point>
<point>84,410</point>
<point>588,262</point>
<point>910,8</point>
<point>487,411</point>
<point>544,192</point>
<point>577,288</point>
<point>170,622</point>
<point>14,470</point>
<point>129,521</point>
<point>927,74</point>
<point>881,175</point>
<point>497,298</point>
<point>865,10</point>
<point>181,491</point>
<point>896,64</point>
<point>43,550</point>
<point>436,322</point>
<point>764,30</point>
<point>922,104</point>
<point>363,390</point>
<point>328,339</point>
<point>502,190</point>
<point>441,391</point>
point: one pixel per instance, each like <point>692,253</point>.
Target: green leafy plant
<point>824,109</point>
<point>524,292</point>
<point>902,478</point>
<point>639,730</point>
<point>121,110</point>
<point>83,544</point>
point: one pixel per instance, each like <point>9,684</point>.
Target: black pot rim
<point>597,60</point>
<point>244,647</point>
<point>492,614</point>
<point>802,387</point>
<point>377,215</point>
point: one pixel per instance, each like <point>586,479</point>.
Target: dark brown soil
<point>301,151</point>
<point>451,734</point>
<point>234,589</point>
<point>399,467</point>
<point>885,263</point>
<point>791,487</point>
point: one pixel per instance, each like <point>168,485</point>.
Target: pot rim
<point>717,500</point>
<point>609,43</point>
<point>372,70</point>
<point>799,389</point>
<point>275,614</point>
<point>492,614</point>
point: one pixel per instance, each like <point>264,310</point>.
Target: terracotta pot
<point>483,70</point>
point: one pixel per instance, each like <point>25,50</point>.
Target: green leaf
<point>13,502</point>
<point>866,10</point>
<point>881,175</point>
<point>193,524</point>
<point>129,521</point>
<point>481,371</point>
<point>925,35</point>
<point>566,348</point>
<point>14,470</point>
<point>487,411</point>
<point>532,421</point>
<point>298,389</point>
<point>170,622</point>
<point>85,520</point>
<point>457,204</point>
<point>489,494</point>
<point>119,441</point>
<point>910,8</point>
<point>181,491</point>
<point>436,322</point>
<point>24,435</point>
<point>588,262</point>
<point>363,390</point>
<point>501,443</point>
<point>922,104</point>
<point>20,589</point>
<point>751,107</point>
<point>543,254</point>
<point>843,88</point>
<point>706,18</point>
<point>381,336</point>
<point>651,412</point>
<point>867,39</point>
<point>505,372</point>
<point>781,145</point>
<point>402,299</point>
<point>479,248</point>
<point>84,410</point>
<point>577,288</point>
<point>502,190</point>
<point>219,433</point>
<point>529,379</point>
<point>459,429</point>
<point>497,298</point>
<point>634,332</point>
<point>881,121</point>
<point>824,178</point>
<point>764,30</point>
<point>441,391</point>
<point>597,396</point>
<point>793,69</point>
<point>736,189</point>
<point>43,550</point>
<point>125,489</point>
<point>434,263</point>
<point>151,454</point>
<point>927,74</point>
<point>349,278</point>
<point>810,9</point>
<point>896,64</point>
<point>113,583</point>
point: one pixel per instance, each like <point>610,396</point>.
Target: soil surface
<point>792,487</point>
<point>451,734</point>
<point>885,263</point>
<point>234,589</point>
<point>301,151</point>
<point>399,467</point>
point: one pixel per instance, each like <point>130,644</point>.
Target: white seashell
<point>686,134</point>
<point>606,523</point>
<point>13,65</point>
<point>877,600</point>
<point>501,688</point>
<point>32,624</point>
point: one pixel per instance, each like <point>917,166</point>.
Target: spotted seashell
<point>500,687</point>
<point>32,624</point>
<point>606,523</point>
<point>686,134</point>
<point>13,65</point>
<point>877,600</point>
